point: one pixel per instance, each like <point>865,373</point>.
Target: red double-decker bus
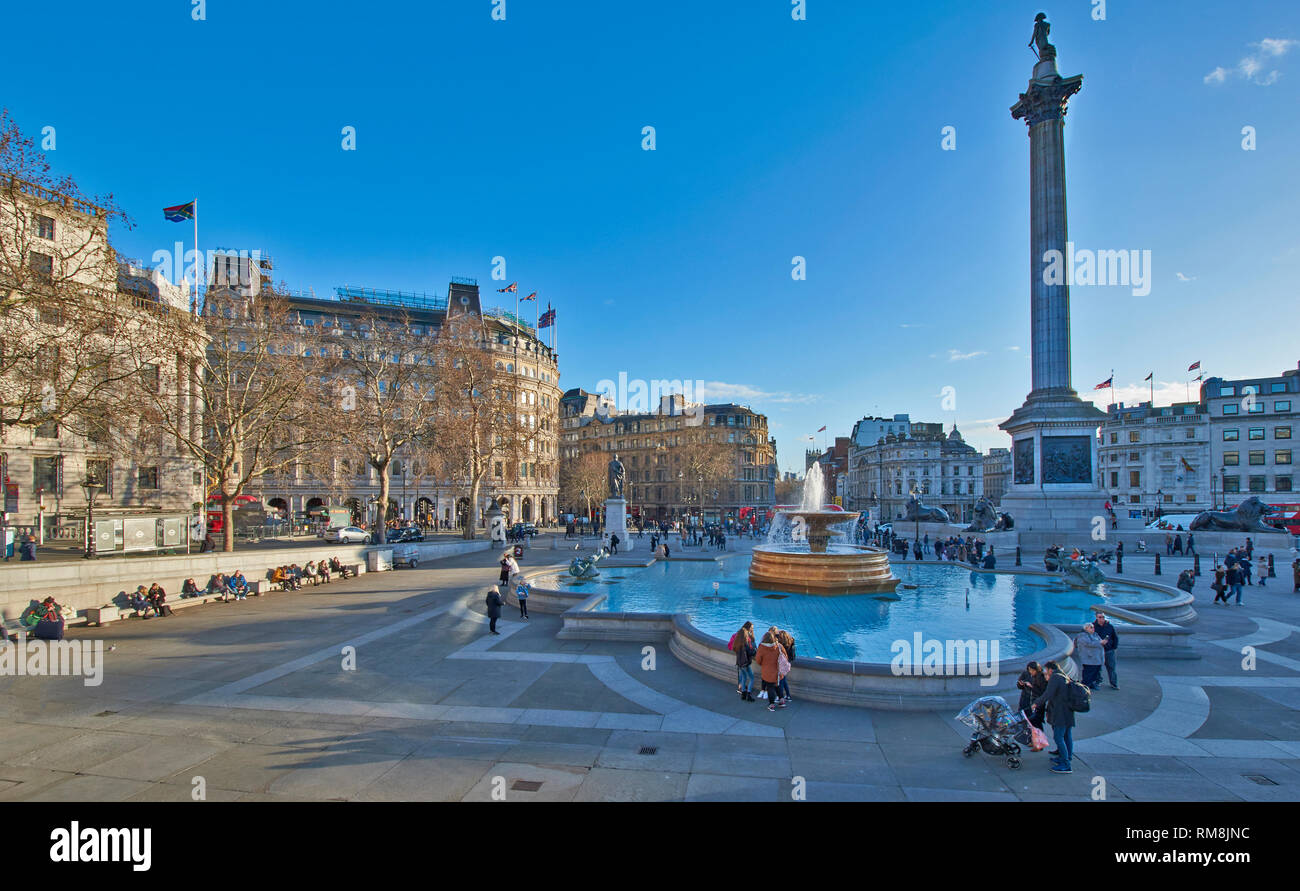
<point>243,504</point>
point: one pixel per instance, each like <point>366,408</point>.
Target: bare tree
<point>64,327</point>
<point>584,479</point>
<point>477,423</point>
<point>250,405</point>
<point>706,464</point>
<point>386,368</point>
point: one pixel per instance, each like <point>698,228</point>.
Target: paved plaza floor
<point>253,697</point>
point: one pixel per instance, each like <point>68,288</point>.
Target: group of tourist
<point>1174,544</point>
<point>510,575</point>
<point>291,577</point>
<point>774,655</point>
<point>1045,694</point>
<point>1235,572</point>
<point>961,550</point>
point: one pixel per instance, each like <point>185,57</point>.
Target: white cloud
<point>958,356</point>
<point>1183,278</point>
<point>1252,67</point>
<point>721,391</point>
<point>1274,47</point>
<point>911,326</point>
<point>1013,349</point>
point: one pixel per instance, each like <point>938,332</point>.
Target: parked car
<point>348,535</point>
<point>405,533</point>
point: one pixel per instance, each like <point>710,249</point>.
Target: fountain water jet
<point>818,566</point>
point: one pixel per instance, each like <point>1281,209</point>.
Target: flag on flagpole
<point>547,319</point>
<point>1199,377</point>
<point>512,287</point>
<point>180,213</point>
<point>1149,376</point>
<point>821,429</point>
<point>532,296</point>
<point>1108,382</point>
<point>1195,365</point>
<point>1186,466</point>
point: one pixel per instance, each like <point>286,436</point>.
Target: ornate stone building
<point>61,242</point>
<point>1156,456</point>
<point>946,472</point>
<point>657,448</point>
<point>526,491</point>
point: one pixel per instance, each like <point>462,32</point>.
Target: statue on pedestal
<point>617,477</point>
<point>1038,43</point>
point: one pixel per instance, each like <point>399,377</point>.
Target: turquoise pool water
<point>857,628</point>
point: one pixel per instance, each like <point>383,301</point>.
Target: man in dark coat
<point>1109,642</point>
<point>1055,701</point>
<point>493,608</point>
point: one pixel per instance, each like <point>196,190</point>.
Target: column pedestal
<point>616,524</point>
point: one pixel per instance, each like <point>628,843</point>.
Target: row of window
<point>1275,387</point>
<point>47,475</point>
<point>1280,456</point>
<point>1256,408</point>
<point>1234,434</point>
<point>1257,484</point>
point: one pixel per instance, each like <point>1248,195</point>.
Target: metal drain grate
<point>1259,779</point>
<point>526,785</point>
<point>648,750</point>
<point>105,714</point>
<point>775,596</point>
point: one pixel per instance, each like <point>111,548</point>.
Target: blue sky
<point>775,138</point>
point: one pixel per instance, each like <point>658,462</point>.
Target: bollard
<point>1017,555</point>
<point>1271,573</point>
<point>1157,564</point>
<point>1196,564</point>
<point>1119,563</point>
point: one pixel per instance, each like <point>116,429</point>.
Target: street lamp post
<point>91,486</point>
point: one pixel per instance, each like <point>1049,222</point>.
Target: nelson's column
<point>1054,434</point>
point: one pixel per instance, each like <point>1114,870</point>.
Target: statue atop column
<point>1042,49</point>
<point>617,477</point>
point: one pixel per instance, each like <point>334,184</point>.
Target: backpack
<point>731,644</point>
<point>1078,696</point>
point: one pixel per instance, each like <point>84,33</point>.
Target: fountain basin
<point>841,569</point>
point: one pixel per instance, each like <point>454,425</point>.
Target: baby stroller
<point>997,729</point>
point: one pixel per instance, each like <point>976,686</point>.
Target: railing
<point>49,196</point>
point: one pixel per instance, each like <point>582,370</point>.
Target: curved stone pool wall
<point>871,684</point>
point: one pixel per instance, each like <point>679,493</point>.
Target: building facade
<point>1151,457</point>
<point>941,468</point>
<point>44,464</point>
<point>997,474</point>
<point>1252,427</point>
<point>525,490</point>
<point>657,448</point>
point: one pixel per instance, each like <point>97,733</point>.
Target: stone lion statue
<point>1246,518</point>
<point>918,512</point>
<point>988,518</point>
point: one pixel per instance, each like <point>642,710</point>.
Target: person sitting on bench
<point>189,589</point>
<point>158,600</point>
<point>140,602</point>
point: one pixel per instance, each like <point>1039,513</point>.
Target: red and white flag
<point>821,429</point>
<point>532,296</point>
<point>513,286</point>
<point>1195,365</point>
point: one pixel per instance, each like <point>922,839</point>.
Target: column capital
<point>1046,98</point>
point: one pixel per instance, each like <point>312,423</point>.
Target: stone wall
<point>82,584</point>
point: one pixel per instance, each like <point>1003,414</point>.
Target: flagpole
<point>194,303</point>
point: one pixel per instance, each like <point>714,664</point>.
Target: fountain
<point>801,556</point>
